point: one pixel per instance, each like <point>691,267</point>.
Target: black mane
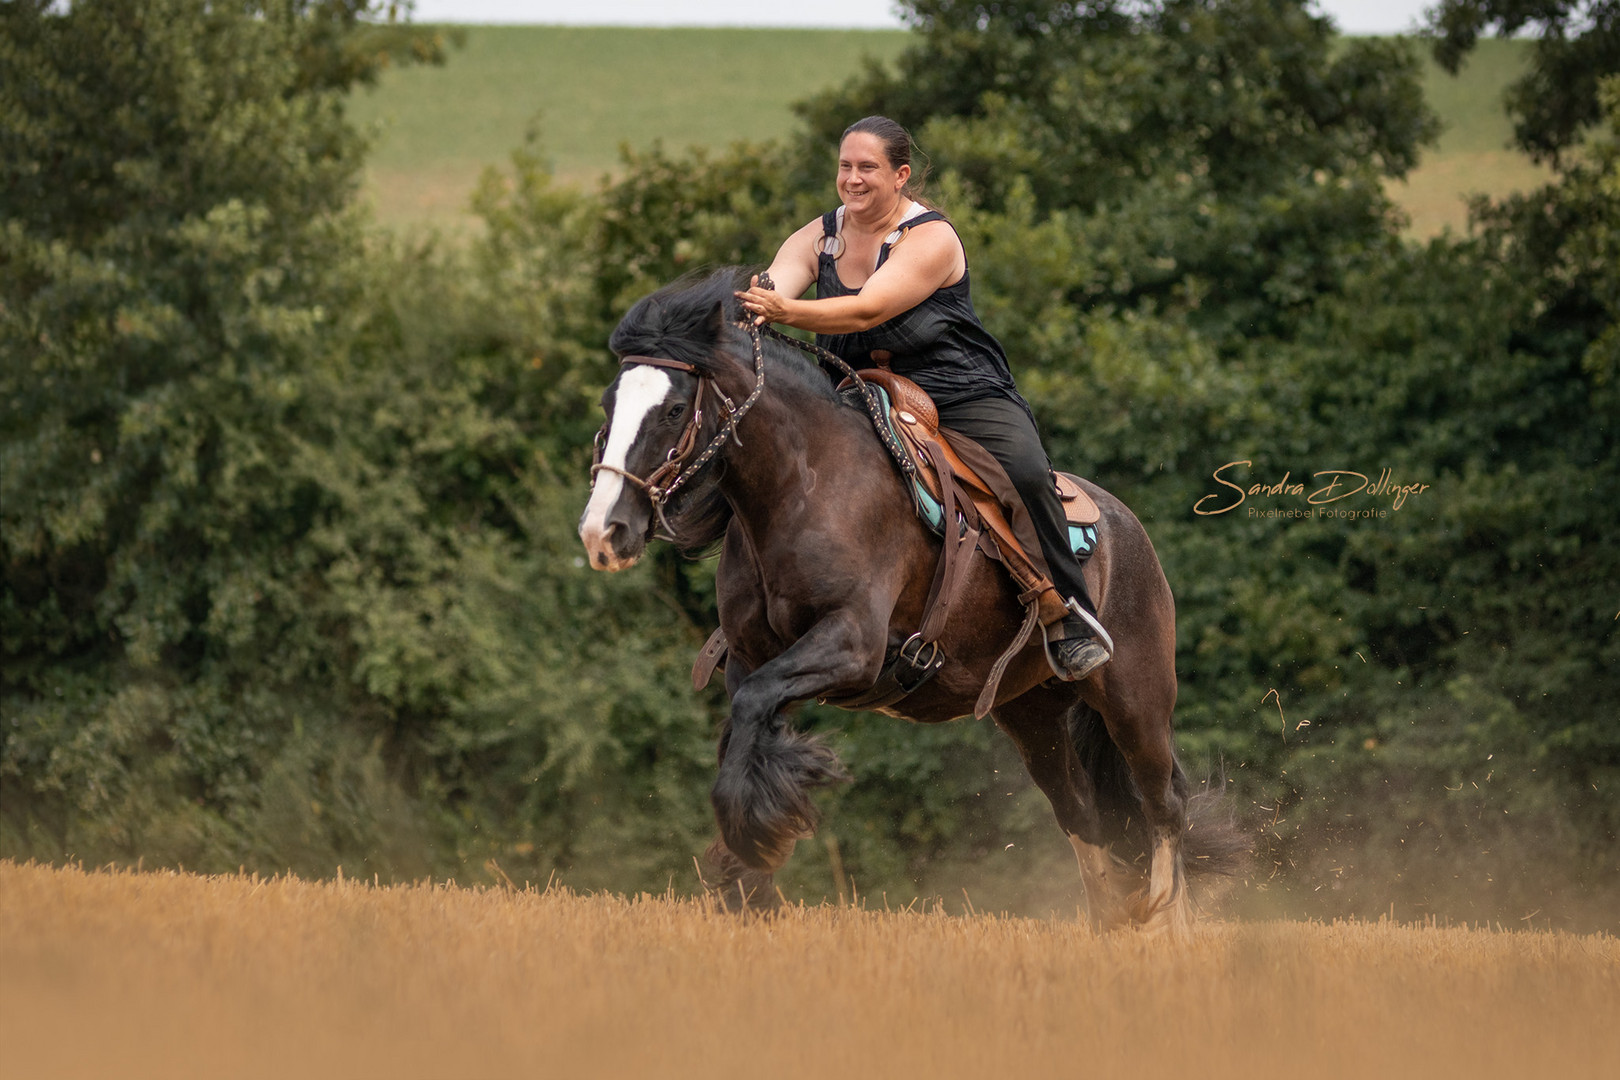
<point>687,320</point>
<point>696,320</point>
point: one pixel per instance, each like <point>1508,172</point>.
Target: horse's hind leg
<point>1137,717</point>
<point>1038,725</point>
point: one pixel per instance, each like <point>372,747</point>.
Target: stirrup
<point>1101,639</point>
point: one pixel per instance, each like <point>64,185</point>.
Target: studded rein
<point>680,466</point>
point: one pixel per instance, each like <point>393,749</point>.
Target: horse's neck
<point>798,450</point>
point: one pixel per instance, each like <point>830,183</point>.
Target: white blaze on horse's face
<point>610,541</point>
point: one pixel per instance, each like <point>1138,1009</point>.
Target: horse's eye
<point>677,410</point>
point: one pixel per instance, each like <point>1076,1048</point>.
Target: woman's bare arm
<point>930,258</point>
<point>794,268</point>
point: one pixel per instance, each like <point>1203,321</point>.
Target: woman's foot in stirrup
<point>1078,653</point>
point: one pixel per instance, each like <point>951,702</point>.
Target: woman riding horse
<point>907,307</point>
<point>717,432</point>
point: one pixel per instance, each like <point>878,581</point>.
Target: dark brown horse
<point>824,571</point>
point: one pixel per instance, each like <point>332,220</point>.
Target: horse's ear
<point>716,322</point>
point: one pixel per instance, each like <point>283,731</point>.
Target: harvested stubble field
<point>174,975</point>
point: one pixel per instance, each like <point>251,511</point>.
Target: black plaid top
<point>939,344</point>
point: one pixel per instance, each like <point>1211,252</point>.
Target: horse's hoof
<point>748,897</point>
<point>1168,917</point>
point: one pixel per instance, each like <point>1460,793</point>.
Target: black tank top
<point>939,344</point>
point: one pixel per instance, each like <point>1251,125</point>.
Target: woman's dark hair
<point>898,148</point>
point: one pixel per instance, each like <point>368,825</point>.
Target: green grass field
<point>590,89</point>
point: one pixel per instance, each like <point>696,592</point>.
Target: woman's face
<point>866,180</point>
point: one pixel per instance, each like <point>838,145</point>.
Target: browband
<point>660,361</point>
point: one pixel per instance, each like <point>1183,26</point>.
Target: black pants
<point>1004,428</point>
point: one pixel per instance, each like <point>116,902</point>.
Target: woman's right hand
<point>762,301</point>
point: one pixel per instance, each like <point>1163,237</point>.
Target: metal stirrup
<point>1091,621</point>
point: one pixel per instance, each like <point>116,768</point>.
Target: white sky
<point>1352,16</point>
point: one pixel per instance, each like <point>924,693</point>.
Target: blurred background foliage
<point>291,578</point>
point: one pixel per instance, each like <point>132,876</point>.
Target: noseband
<point>658,485</point>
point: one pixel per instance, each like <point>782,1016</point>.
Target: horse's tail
<point>762,795</point>
<point>1213,843</point>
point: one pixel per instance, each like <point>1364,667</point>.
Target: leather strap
<point>899,679</point>
<point>987,696</point>
<point>956,555</point>
<point>709,657</point>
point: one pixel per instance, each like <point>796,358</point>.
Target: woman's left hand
<point>766,305</point>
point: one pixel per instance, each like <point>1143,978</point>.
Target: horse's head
<point>663,412</point>
<point>651,415</point>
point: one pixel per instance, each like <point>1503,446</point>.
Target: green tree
<point>286,505</point>
<point>181,299</point>
<point>1577,45</point>
<point>290,577</point>
<point>1225,159</point>
<point>1177,227</point>
<point>1456,681</point>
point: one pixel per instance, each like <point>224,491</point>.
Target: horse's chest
<point>785,595</point>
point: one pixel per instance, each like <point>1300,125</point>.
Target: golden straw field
<point>120,974</point>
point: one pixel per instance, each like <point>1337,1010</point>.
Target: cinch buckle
<point>911,652</point>
<point>914,658</point>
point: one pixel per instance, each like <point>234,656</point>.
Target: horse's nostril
<point>601,558</point>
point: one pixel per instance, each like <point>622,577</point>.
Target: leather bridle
<point>676,465</point>
<point>679,465</point>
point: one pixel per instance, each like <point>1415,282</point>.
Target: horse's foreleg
<point>761,796</point>
<point>737,886</point>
